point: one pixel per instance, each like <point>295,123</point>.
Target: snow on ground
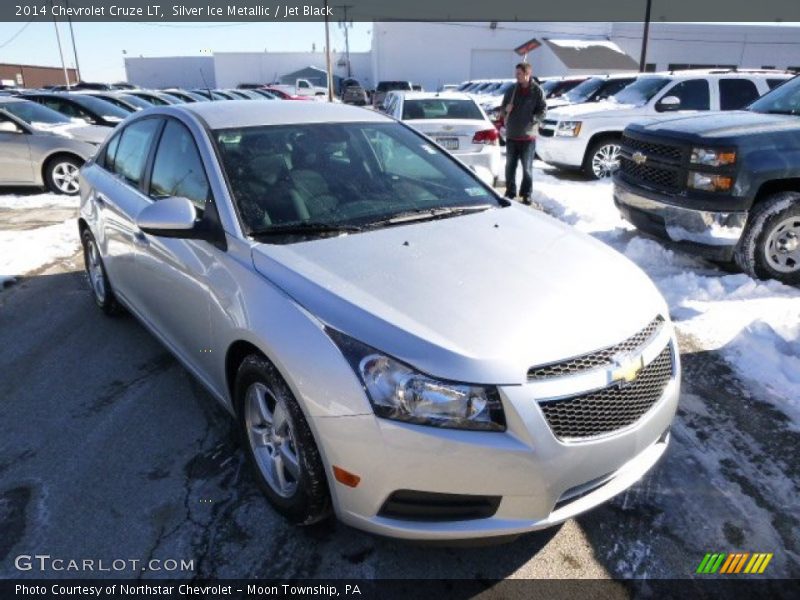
<point>23,251</point>
<point>19,201</point>
<point>754,324</point>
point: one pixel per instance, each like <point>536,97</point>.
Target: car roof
<point>246,113</point>
<point>427,95</point>
<point>10,99</point>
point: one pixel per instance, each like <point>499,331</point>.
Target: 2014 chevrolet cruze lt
<point>397,343</point>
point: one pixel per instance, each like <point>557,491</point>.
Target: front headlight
<point>713,157</point>
<point>397,391</point>
<point>709,182</point>
<point>568,128</point>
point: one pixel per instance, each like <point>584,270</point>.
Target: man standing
<point>524,106</point>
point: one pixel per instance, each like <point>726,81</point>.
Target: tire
<point>598,164</point>
<point>98,279</point>
<point>299,493</point>
<point>61,174</point>
<point>770,245</point>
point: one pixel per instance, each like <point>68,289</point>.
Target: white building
<point>436,53</point>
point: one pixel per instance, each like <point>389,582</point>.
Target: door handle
<point>140,239</point>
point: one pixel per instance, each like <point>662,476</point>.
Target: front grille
<point>674,153</point>
<point>412,505</point>
<point>548,128</point>
<point>612,408</point>
<point>601,358</point>
<point>653,176</point>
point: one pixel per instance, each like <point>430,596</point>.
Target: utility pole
<point>74,48</point>
<point>60,51</point>
<point>643,58</point>
<point>346,26</point>
<point>328,55</point>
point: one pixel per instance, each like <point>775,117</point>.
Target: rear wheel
<point>602,159</point>
<point>61,174</point>
<point>770,245</point>
<point>279,444</point>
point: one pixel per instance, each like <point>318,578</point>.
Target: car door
<point>173,290</point>
<point>15,153</point>
<point>115,189</point>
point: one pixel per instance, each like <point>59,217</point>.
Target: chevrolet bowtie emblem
<point>626,368</point>
<point>639,158</point>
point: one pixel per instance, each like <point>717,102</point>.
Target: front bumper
<point>542,480</point>
<point>562,151</point>
<point>713,234</point>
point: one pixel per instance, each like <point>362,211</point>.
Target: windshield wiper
<point>309,227</point>
<point>428,214</point>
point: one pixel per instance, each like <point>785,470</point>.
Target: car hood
<point>725,124</point>
<point>477,298</point>
<point>93,134</point>
<point>604,108</point>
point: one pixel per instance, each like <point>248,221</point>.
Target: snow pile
<point>14,201</point>
<point>754,324</point>
<point>25,251</point>
<point>586,44</point>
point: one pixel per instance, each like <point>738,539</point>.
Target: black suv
<point>724,185</point>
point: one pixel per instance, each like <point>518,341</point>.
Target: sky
<point>102,47</point>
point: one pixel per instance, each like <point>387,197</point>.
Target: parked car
<point>185,95</point>
<point>586,136</point>
<point>284,95</point>
<point>155,98</point>
<point>455,122</point>
<point>265,94</point>
<point>93,110</point>
<point>396,342</point>
<point>212,94</point>
<point>594,89</point>
<point>42,147</point>
<point>384,87</point>
<point>554,87</point>
<point>722,185</point>
<point>301,87</point>
<point>449,87</point>
<point>114,98</point>
<point>355,94</point>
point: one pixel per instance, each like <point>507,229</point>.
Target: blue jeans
<point>519,151</point>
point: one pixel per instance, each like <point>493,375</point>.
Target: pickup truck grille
<point>598,359</point>
<point>610,409</point>
<point>667,179</point>
<point>650,149</point>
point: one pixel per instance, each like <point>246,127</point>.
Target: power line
<point>16,35</point>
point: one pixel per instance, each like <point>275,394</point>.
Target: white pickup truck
<point>302,87</point>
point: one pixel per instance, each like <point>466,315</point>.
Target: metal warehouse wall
<point>171,71</point>
<point>233,68</point>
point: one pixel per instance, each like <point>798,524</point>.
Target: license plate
<point>449,143</point>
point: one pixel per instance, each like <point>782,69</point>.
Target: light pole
<point>643,58</point>
<point>328,55</point>
<point>344,23</point>
<point>60,51</point>
<point>74,48</point>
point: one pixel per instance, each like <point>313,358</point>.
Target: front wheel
<point>602,159</point>
<point>770,245</point>
<point>61,175</point>
<point>279,444</point>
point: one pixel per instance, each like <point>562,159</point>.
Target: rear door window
<point>736,93</point>
<point>133,150</point>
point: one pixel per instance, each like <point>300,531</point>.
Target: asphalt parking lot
<point>109,449</point>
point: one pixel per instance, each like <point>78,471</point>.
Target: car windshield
<point>136,100</point>
<point>548,86</point>
<point>783,100</point>
<point>503,87</point>
<point>101,107</point>
<point>35,114</point>
<point>640,91</point>
<point>584,90</point>
<point>441,108</point>
<point>342,175</point>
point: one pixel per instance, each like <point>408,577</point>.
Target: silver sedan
<point>398,344</point>
<point>41,147</point>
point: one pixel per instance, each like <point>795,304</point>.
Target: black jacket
<point>529,109</point>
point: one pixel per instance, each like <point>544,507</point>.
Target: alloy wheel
<point>94,268</point>
<point>272,440</point>
<point>65,177</point>
<point>605,161</point>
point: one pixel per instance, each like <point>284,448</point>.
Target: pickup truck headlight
<point>568,128</point>
<point>709,182</point>
<point>397,391</point>
<point>712,157</point>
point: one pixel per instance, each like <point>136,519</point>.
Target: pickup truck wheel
<point>602,159</point>
<point>279,444</point>
<point>770,245</point>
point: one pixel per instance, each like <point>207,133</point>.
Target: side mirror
<point>668,103</point>
<point>173,217</point>
<point>9,127</point>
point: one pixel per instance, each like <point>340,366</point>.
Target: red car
<point>283,95</point>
